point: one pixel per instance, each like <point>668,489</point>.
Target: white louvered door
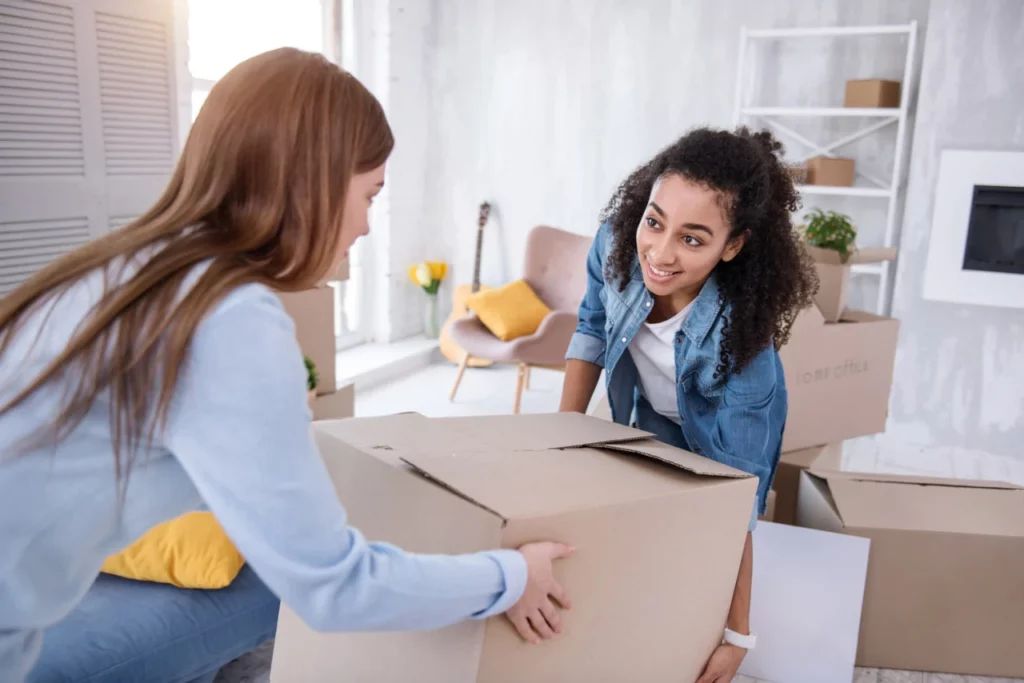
<point>87,122</point>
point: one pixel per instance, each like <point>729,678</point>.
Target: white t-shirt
<point>654,354</point>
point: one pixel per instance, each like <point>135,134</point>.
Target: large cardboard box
<point>944,590</point>
<point>838,377</point>
<point>872,92</point>
<point>312,311</point>
<point>659,533</point>
<point>830,171</point>
<point>834,275</point>
<point>787,476</point>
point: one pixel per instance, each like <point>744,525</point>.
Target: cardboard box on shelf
<point>838,377</point>
<point>313,313</point>
<point>787,476</point>
<point>469,484</point>
<point>835,171</point>
<point>944,590</point>
<point>834,275</point>
<point>872,92</point>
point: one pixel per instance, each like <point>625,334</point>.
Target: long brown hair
<point>258,192</point>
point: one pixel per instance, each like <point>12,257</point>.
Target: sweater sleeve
<point>240,427</point>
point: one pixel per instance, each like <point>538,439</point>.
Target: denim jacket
<point>737,419</point>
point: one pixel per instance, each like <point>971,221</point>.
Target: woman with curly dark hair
<point>694,280</point>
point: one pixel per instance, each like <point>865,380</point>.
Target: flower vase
<point>431,326</point>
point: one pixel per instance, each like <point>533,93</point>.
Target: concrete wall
<point>960,369</point>
<point>543,106</point>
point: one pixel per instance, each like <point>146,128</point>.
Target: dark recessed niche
<point>995,232</point>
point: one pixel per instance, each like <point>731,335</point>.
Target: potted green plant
<point>312,379</point>
<point>831,240</point>
<point>831,230</point>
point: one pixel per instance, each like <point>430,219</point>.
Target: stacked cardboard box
<point>313,314</point>
<point>838,365</point>
<point>944,590</point>
<point>644,609</point>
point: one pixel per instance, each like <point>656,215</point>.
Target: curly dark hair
<point>772,278</point>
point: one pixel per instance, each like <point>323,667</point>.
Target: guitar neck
<point>479,253</point>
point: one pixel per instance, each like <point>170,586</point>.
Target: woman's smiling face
<point>682,236</point>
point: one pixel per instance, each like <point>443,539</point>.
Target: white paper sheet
<point>805,608</point>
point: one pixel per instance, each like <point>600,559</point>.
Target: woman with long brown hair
<point>154,369</point>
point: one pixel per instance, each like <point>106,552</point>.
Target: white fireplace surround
<point>945,279</point>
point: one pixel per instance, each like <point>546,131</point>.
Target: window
<point>223,33</point>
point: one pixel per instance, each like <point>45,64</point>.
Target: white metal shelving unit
<point>878,189</point>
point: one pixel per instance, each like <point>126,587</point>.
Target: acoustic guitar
<point>449,349</point>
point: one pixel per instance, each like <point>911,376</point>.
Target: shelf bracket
<point>829,149</point>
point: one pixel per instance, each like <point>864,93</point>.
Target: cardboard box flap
<point>676,457</point>
<point>807,323</point>
<point>808,457</point>
<point>832,475</point>
<point>532,484</point>
<point>391,436</point>
<point>542,431</point>
<point>859,255</point>
<point>926,504</point>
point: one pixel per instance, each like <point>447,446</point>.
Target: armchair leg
<point>529,376</point>
<point>521,380</point>
<point>458,376</point>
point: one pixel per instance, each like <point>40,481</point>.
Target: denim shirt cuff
<point>754,514</point>
<point>586,348</point>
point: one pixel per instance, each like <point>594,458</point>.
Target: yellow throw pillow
<point>510,312</point>
<point>191,551</point>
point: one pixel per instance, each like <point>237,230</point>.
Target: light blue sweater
<point>238,441</point>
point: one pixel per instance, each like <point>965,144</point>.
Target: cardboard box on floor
<point>340,404</point>
<point>312,311</point>
<point>658,531</point>
<point>834,276</point>
<point>313,314</point>
<point>341,273</point>
<point>944,590</point>
<point>838,377</point>
<point>787,476</point>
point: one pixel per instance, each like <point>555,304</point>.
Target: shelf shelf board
<point>867,268</point>
<point>880,192</point>
<point>849,112</point>
<point>815,32</point>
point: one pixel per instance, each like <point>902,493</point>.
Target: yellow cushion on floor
<point>510,312</point>
<point>191,551</point>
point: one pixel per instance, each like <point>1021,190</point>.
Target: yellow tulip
<point>423,275</point>
<point>438,269</point>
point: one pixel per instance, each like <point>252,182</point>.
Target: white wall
<point>543,106</point>
<point>960,369</point>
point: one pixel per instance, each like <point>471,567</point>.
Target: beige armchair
<point>556,269</point>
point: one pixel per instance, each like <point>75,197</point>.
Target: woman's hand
<point>536,615</point>
<point>724,663</point>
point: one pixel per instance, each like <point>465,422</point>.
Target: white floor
<point>490,391</point>
<point>484,391</point>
